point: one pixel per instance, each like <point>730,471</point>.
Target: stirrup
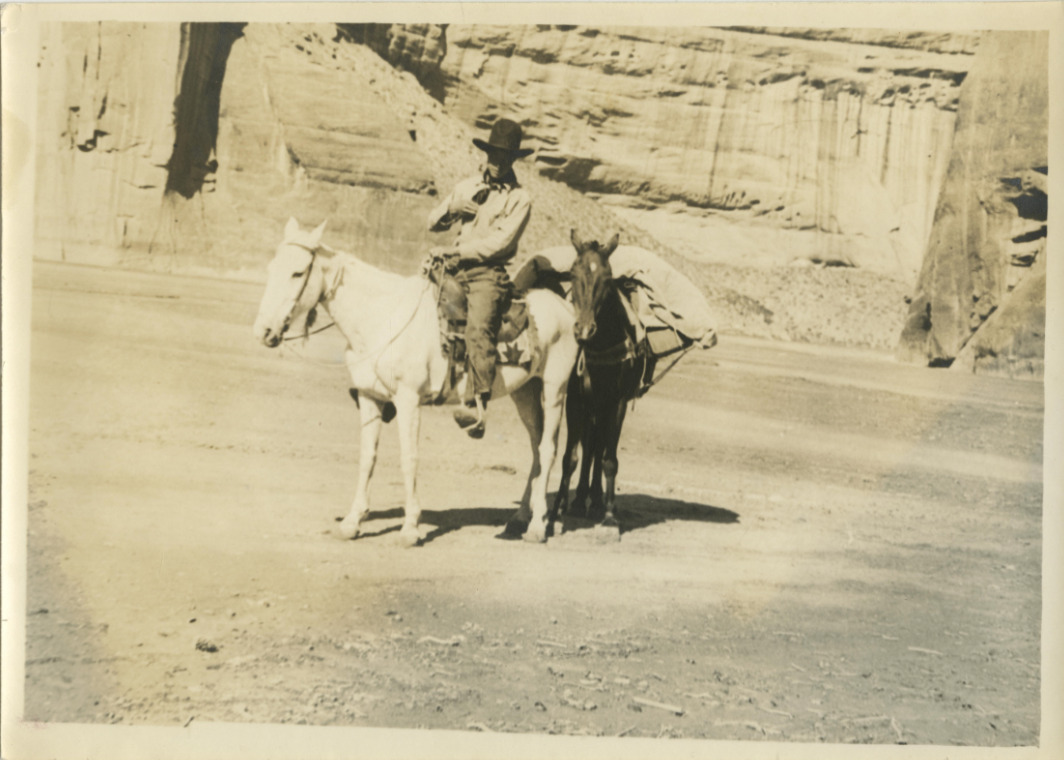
<point>471,419</point>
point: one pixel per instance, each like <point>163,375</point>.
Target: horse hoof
<point>515,528</point>
<point>534,536</point>
<point>349,530</point>
<point>605,533</point>
<point>409,537</point>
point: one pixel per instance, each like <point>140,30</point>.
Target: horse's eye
<point>296,275</point>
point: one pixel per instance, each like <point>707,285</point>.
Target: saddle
<point>514,343</point>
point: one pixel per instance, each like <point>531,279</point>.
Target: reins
<point>307,332</point>
<point>391,340</point>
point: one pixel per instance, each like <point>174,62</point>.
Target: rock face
<point>843,141</point>
<point>252,123</point>
<point>304,133</point>
<point>203,58</point>
<point>981,293</point>
<point>106,134</point>
<point>932,42</point>
<point>187,147</point>
<point>417,48</point>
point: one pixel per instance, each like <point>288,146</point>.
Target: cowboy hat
<point>505,136</point>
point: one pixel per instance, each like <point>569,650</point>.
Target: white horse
<point>393,323</point>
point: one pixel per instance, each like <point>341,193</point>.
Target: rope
<point>674,363</point>
<point>642,373</point>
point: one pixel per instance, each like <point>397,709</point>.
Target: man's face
<point>499,163</point>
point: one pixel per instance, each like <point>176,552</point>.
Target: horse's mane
<point>356,267</point>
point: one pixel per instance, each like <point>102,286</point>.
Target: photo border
<point>268,741</point>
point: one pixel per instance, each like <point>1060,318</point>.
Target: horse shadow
<point>444,521</point>
<point>639,511</point>
<point>634,512</point>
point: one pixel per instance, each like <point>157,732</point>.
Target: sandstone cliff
<point>981,292</point>
<point>284,119</point>
<point>106,134</point>
<point>759,148</point>
<point>185,147</point>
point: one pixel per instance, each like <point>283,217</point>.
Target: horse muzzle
<point>584,333</point>
<point>270,337</point>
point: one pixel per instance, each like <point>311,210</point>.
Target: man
<point>492,210</point>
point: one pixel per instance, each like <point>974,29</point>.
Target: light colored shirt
<point>492,235</point>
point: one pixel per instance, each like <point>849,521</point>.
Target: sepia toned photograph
<point>562,381</point>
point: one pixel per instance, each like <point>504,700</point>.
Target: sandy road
<point>819,545</point>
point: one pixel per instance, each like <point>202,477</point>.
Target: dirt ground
<point>817,545</point>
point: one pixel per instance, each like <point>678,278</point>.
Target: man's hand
<point>447,255</point>
<point>467,207</point>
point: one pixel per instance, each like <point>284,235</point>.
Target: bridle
<point>618,353</point>
<point>623,351</point>
<point>326,293</point>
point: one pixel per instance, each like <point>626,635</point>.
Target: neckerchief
<point>505,182</point>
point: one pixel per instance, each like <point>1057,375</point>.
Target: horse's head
<point>591,275</point>
<point>293,284</point>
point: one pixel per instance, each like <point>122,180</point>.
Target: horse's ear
<point>612,245</point>
<point>578,244</point>
<point>315,235</point>
<point>291,229</point>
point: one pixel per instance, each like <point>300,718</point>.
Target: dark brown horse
<point>608,374</point>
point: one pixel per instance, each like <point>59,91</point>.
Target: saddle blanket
<point>517,352</point>
<point>516,346</point>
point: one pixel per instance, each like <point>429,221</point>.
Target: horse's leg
<point>529,408</point>
<point>408,418</point>
<point>573,412</point>
<point>370,415</point>
<point>587,456</point>
<point>602,434</point>
<point>610,465</point>
<point>553,402</point>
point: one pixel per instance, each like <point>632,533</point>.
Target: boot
<point>471,416</point>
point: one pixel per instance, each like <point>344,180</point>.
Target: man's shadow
<point>634,512</point>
